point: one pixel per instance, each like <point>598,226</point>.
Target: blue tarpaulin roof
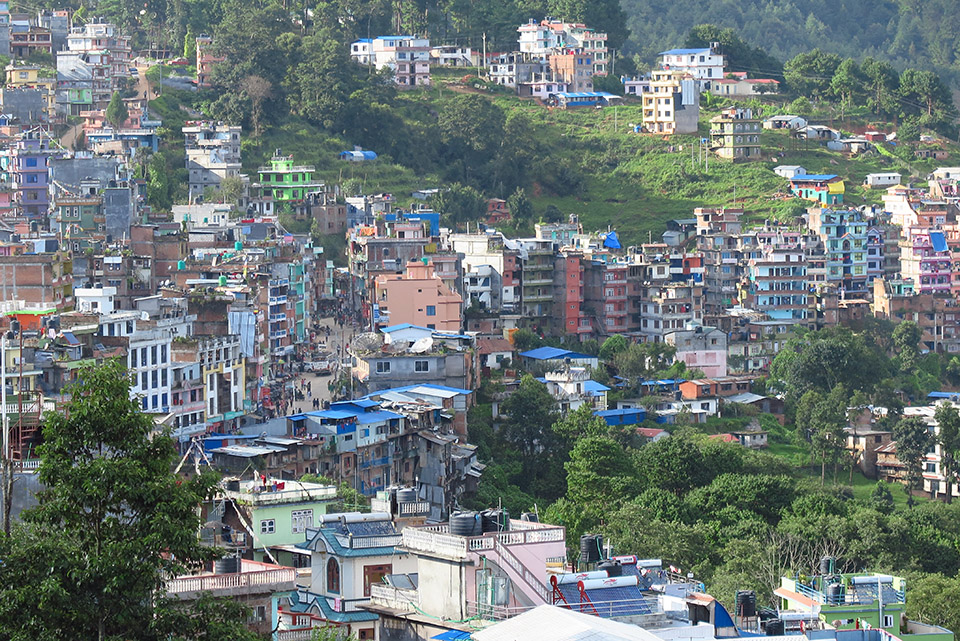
<point>938,241</point>
<point>611,241</point>
<point>813,177</point>
<point>683,52</point>
<point>551,353</point>
<point>452,635</point>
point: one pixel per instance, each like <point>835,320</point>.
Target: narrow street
<point>337,344</point>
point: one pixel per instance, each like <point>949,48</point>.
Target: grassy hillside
<point>631,182</point>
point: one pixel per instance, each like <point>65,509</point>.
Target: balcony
<point>278,333</point>
<point>436,539</point>
<point>375,462</point>
<point>277,300</point>
<point>254,578</point>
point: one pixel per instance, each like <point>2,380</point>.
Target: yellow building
<point>672,106</point>
<point>28,77</point>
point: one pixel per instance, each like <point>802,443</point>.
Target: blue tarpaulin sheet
<point>611,241</point>
<point>938,241</point>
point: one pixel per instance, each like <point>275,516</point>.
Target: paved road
<point>336,343</point>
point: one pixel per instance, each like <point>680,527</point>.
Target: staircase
<point>523,579</point>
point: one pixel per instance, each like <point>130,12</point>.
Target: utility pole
<point>7,461</point>
<point>483,63</point>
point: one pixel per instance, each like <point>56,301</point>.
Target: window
<point>300,520</point>
<point>383,367</point>
<point>374,574</point>
<point>431,310</point>
<point>333,576</point>
<point>421,366</point>
<point>887,621</point>
<point>268,526</point>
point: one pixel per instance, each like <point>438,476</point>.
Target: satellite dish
<point>422,345</point>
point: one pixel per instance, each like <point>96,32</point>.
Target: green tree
<point>117,113</point>
<point>913,440</point>
<point>520,207</point>
<point>469,128</point>
<point>948,437</point>
<point>809,74</point>
<point>906,340</point>
<point>847,83</point>
<point>90,560</point>
<point>460,203</point>
<point>935,599</point>
<point>881,498</point>
<point>158,186</point>
<point>738,55</point>
<point>882,83</point>
<point>599,478</point>
<point>232,189</point>
<point>530,413</point>
<point>190,46</point>
<point>613,346</point>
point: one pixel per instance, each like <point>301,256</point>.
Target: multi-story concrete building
<point>408,57</point>
<point>95,64</point>
<point>27,39</point>
<point>844,237</point>
<point>735,134</point>
<point>26,165</point>
<point>418,297</point>
<point>283,184</point>
<point>672,106</point>
<point>149,354</point>
<point>606,296</point>
<point>926,259</point>
<point>703,348</point>
<point>213,153</point>
<point>936,313</point>
<point>703,64</point>
<point>39,280</point>
<point>777,280</point>
<point>206,60</point>
<point>668,308</point>
<point>28,77</point>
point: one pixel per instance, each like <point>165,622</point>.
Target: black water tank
<point>233,485</point>
<point>835,593</point>
<point>773,628</point>
<point>407,495</point>
<point>465,524</point>
<point>590,546</point>
<point>227,565</point>
<point>529,517</point>
<point>746,603</point>
<point>495,520</point>
<point>826,565</point>
<point>613,568</point>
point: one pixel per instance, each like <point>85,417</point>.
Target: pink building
<point>702,348</point>
<point>925,258</point>
<point>419,297</point>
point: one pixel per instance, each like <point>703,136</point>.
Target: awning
<point>938,241</point>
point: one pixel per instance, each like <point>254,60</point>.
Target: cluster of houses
<point>396,573</point>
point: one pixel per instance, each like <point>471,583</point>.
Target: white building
<point>451,56</point>
<point>98,300</point>
<point>148,355</point>
<point>884,179</point>
<point>213,153</point>
<point>407,56</point>
<point>789,171</point>
<point>703,64</point>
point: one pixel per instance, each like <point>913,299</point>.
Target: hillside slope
<point>904,32</point>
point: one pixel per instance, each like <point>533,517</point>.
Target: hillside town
<point>423,419</point>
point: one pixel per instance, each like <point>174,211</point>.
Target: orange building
<point>419,297</point>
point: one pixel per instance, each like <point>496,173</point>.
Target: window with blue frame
<point>431,310</point>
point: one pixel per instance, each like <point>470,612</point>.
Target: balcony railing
<point>283,578</point>
<point>438,539</point>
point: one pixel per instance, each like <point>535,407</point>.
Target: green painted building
<point>866,600</point>
<point>79,220</point>
<point>284,182</point>
<point>278,517</point>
